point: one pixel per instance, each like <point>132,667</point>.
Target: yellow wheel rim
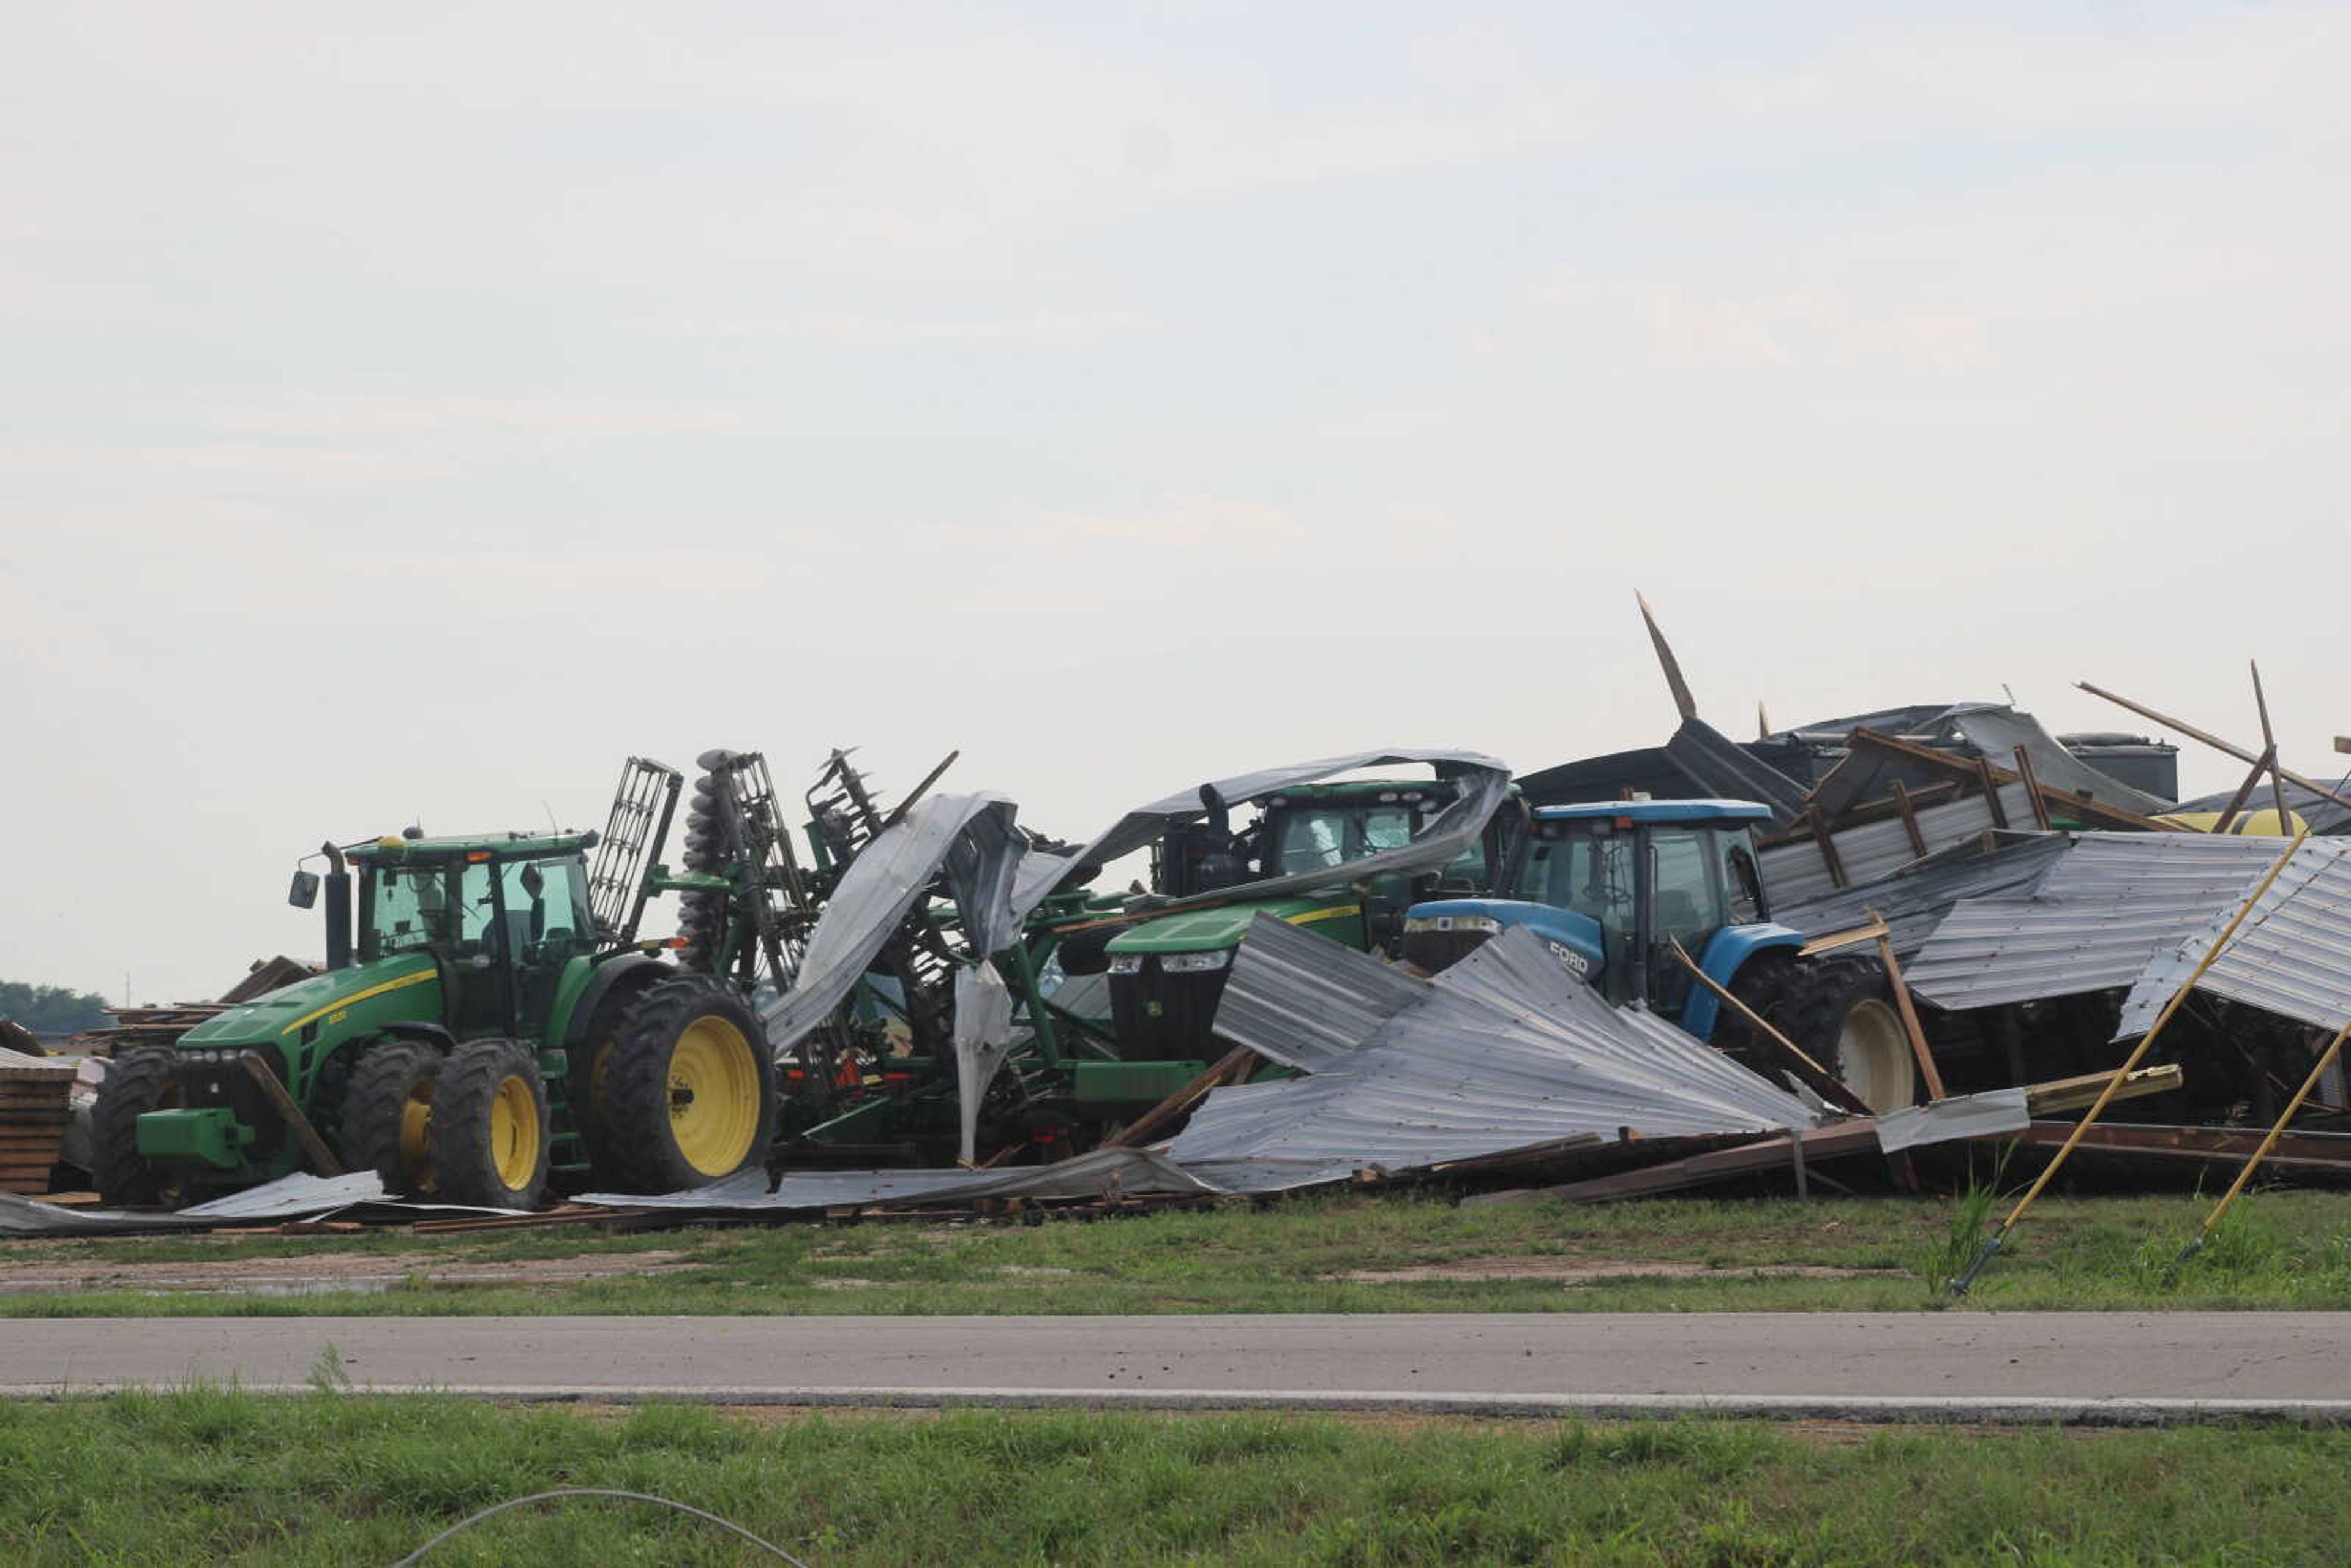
<point>514,1132</point>
<point>714,1097</point>
<point>417,1136</point>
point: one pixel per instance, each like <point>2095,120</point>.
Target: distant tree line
<point>51,1010</point>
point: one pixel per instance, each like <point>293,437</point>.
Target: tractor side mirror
<point>533,882</point>
<point>304,894</point>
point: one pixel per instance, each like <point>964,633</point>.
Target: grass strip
<point>1350,1253</point>
<point>213,1475</point>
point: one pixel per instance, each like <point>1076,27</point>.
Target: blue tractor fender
<point>1727,951</point>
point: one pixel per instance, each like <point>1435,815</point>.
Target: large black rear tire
<point>143,1079</point>
<point>388,1114</point>
<point>490,1130</point>
<point>1842,1011</point>
<point>689,1088</point>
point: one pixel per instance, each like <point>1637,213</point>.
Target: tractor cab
<point>502,917</point>
<point>1611,887</point>
<point>1167,972</point>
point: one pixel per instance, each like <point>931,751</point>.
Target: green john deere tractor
<point>490,1024</point>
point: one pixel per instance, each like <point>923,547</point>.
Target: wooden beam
<point>2087,807</point>
<point>1903,1005</point>
<point>2214,741</point>
<point>1909,818</point>
<point>2072,1093</point>
<point>322,1158</point>
<point>1686,703</point>
<point>2032,788</point>
<point>1133,1136</point>
<point>2262,765</point>
<point>2269,748</point>
<point>1827,843</point>
<point>1989,778</point>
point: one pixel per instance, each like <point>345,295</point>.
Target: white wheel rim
<point>1874,1056</point>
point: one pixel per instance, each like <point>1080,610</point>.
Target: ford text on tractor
<point>488,1024</point>
<point>1611,886</point>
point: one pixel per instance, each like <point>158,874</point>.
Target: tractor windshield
<point>1586,866</point>
<point>404,907</point>
<point>1311,839</point>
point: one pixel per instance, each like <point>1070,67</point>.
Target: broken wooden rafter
<point>2214,741</point>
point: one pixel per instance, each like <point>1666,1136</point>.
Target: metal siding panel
<point>1502,1051</point>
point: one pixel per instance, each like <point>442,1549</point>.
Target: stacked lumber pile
<point>164,1025</point>
<point>34,1092</point>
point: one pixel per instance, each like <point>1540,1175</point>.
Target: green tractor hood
<point>338,1003</point>
<point>1206,930</point>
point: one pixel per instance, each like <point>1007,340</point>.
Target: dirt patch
<point>1586,1270</point>
<point>323,1271</point>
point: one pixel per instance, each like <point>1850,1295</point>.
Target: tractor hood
<point>402,986</point>
<point>1204,930</point>
<point>1575,940</point>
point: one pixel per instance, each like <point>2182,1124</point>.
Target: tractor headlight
<point>1126,962</point>
<point>1194,963</point>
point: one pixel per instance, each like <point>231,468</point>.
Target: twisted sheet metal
<point>1795,873</point>
<point>2093,922</point>
<point>1502,1051</point>
<point>2291,956</point>
<point>1916,898</point>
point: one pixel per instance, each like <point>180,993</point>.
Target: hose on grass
<point>472,1520</point>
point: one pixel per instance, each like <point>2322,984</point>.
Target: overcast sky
<point>412,411</point>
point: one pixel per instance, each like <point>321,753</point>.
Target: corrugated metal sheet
<point>1996,731</point>
<point>1099,1174</point>
<point>2292,955</point>
<point>1795,873</point>
<point>2095,922</point>
<point>1502,1051</point>
<point>1725,770</point>
<point>1914,899</point>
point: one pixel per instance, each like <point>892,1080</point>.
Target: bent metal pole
<point>2220,945</point>
<point>2318,1069</point>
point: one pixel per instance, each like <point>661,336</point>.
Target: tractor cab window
<point>1693,893</point>
<point>1588,867</point>
<point>407,907</point>
<point>1309,840</point>
<point>1388,828</point>
<point>547,906</point>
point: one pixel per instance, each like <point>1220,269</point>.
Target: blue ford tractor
<point>1611,886</point>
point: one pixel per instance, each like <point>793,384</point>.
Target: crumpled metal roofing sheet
<point>2092,924</point>
<point>1503,1050</point>
<point>1794,873</point>
<point>1917,897</point>
<point>1098,1174</point>
<point>1997,730</point>
<point>2292,955</point>
<point>1483,781</point>
<point>1722,769</point>
<point>970,837</point>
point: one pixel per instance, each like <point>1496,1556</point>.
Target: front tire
<point>689,1091</point>
<point>489,1126</point>
<point>388,1116</point>
<point>143,1079</point>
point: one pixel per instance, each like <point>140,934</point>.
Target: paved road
<point>2033,1365</point>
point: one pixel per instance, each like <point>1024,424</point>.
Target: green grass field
<point>215,1475</point>
<point>1348,1253</point>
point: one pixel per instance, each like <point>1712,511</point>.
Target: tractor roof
<point>1657,811</point>
<point>495,846</point>
<point>1355,790</point>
